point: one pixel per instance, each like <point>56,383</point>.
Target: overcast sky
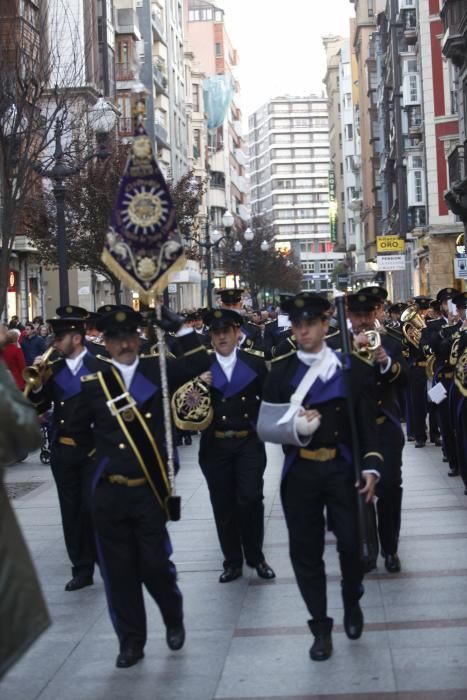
<point>279,44</point>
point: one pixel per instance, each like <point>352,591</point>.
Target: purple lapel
<point>69,383</point>
<point>242,375</point>
<point>141,388</point>
<point>321,391</point>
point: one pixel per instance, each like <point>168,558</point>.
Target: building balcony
<point>416,216</point>
<point>160,132</point>
<point>454,43</point>
<point>124,72</point>
<point>415,121</point>
<point>158,27</point>
<point>127,23</point>
<point>160,80</point>
<point>456,165</point>
<point>125,126</point>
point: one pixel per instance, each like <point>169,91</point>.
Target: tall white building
<point>289,169</point>
<point>351,160</point>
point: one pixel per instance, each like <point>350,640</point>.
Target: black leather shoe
<point>419,443</point>
<point>453,472</point>
<point>230,573</point>
<point>392,563</point>
<point>78,582</point>
<point>176,637</point>
<point>264,570</point>
<point>188,440</point>
<point>321,649</point>
<point>353,622</point>
<point>410,438</point>
<point>129,657</point>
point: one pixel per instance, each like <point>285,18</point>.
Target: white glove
<point>305,426</point>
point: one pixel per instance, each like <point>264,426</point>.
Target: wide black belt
<point>125,411</point>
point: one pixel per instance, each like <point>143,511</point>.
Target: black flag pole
<point>363,510</point>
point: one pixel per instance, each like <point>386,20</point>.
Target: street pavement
<point>249,639</point>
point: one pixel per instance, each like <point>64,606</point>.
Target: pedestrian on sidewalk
<point>13,357</point>
<point>305,409</point>
<point>231,456</point>
<point>32,344</point>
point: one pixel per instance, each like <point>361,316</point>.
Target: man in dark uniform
<point>250,335</point>
<point>458,393</point>
<point>231,456</point>
<point>417,397</point>
<point>437,338</point>
<point>71,446</point>
<point>130,485</point>
<point>390,372</point>
<point>318,472</point>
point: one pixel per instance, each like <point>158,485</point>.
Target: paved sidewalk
<point>249,639</point>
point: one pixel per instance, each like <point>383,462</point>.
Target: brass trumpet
<point>374,342</point>
<point>32,374</point>
<point>412,325</point>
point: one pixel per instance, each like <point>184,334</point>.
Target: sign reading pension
<point>389,244</point>
<point>390,263</point>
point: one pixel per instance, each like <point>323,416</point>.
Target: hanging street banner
<point>390,263</point>
<point>143,244</point>
<point>332,205</point>
<point>390,244</point>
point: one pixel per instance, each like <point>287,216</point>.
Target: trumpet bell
<point>412,325</point>
<point>374,340</point>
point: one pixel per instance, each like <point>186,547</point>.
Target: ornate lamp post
<point>212,240</point>
<point>102,120</point>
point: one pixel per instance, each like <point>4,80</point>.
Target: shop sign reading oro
<point>389,244</point>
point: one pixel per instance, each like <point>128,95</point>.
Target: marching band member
<point>317,470</point>
<point>231,456</point>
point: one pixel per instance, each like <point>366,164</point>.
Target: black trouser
<point>458,404</point>
<point>234,468</point>
<point>447,427</point>
<point>389,488</point>
<point>418,402</point>
<point>433,422</point>
<point>134,548</point>
<point>307,488</point>
<point>72,470</point>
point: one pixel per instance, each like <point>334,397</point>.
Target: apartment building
<point>289,173</point>
<point>20,40</point>
<point>436,242</point>
<point>453,76</point>
<point>365,23</point>
<point>162,72</point>
<point>332,45</point>
<point>208,38</point>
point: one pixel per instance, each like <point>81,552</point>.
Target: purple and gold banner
<point>143,245</point>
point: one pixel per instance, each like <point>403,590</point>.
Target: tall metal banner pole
<point>356,458</point>
<point>173,501</point>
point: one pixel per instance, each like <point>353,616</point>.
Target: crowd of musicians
<point>242,379</point>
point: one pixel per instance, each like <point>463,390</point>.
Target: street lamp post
<point>212,240</point>
<point>103,119</point>
<point>249,235</point>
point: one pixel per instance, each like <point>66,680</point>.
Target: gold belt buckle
<point>118,479</point>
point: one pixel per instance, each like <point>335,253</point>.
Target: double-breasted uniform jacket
<point>62,389</point>
<point>438,338</point>
<point>329,398</point>
<point>113,451</point>
<point>236,402</point>
<point>385,384</point>
<point>253,340</point>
